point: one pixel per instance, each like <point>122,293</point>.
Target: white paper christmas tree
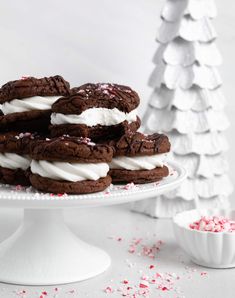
<point>187,104</point>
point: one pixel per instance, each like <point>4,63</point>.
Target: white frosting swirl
<point>95,116</point>
<point>69,171</point>
<point>29,104</point>
<point>14,161</point>
<point>138,162</point>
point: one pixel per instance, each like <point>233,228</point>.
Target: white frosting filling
<point>29,104</point>
<point>138,162</point>
<point>14,161</point>
<point>69,171</point>
<point>95,116</point>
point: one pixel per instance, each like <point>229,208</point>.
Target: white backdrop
<point>99,40</point>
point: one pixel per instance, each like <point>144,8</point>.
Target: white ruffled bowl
<point>209,249</point>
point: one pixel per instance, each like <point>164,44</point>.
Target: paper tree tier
<point>206,188</point>
<point>181,52</point>
<point>188,121</point>
<point>178,76</point>
<point>195,99</point>
<point>174,10</point>
<point>188,29</point>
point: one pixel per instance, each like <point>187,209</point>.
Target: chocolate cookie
<point>88,96</point>
<point>37,120</point>
<point>19,143</point>
<point>70,165</point>
<point>30,86</point>
<point>14,177</point>
<point>140,176</point>
<point>80,187</point>
<point>97,132</point>
<point>70,149</point>
<point>14,157</point>
<point>136,143</point>
<point>97,111</point>
<point>139,158</point>
<point>26,103</point>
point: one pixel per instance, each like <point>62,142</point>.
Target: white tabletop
<point>113,229</point>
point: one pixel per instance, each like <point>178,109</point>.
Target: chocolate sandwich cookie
<point>70,165</point>
<point>96,111</point>
<point>14,157</point>
<point>139,158</point>
<point>26,103</point>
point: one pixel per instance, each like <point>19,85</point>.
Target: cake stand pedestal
<point>44,251</point>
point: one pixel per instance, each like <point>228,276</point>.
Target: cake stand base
<point>44,251</point>
<point>214,266</point>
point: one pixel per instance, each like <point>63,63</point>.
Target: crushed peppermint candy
<point>130,186</point>
<point>141,249</point>
<point>20,293</point>
<point>18,187</point>
<point>86,141</point>
<point>105,86</point>
<point>213,224</point>
<point>82,140</point>
<point>24,135</point>
<point>81,91</point>
<point>106,92</point>
<point>108,290</point>
<point>144,284</point>
<point>147,286</point>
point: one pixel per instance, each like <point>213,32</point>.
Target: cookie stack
<point>139,158</point>
<point>87,135</point>
<point>26,110</point>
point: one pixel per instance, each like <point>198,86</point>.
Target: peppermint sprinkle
<point>23,135</point>
<point>130,186</point>
<point>213,224</point>
<point>86,141</point>
<point>144,284</point>
<point>108,290</point>
<point>104,86</point>
<point>18,187</point>
<point>81,91</point>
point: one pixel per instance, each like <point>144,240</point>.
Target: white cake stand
<point>44,251</point>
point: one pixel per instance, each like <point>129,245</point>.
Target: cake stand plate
<point>44,251</point>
